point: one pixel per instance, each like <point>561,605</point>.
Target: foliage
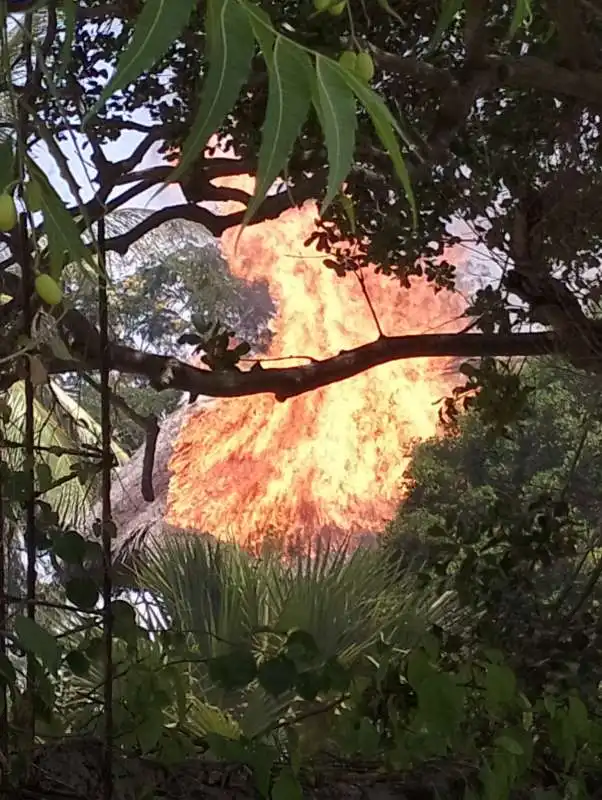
<point>170,277</point>
<point>392,695</point>
<point>549,450</point>
<point>477,126</point>
<point>513,522</point>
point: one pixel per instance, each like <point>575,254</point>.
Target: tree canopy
<point>481,125</point>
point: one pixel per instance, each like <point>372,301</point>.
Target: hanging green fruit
<point>48,289</point>
<point>348,60</point>
<point>364,66</point>
<point>337,9</point>
<point>8,213</point>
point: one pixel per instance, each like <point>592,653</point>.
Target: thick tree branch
<point>526,72</point>
<point>164,372</point>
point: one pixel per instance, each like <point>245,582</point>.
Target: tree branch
<point>525,72</point>
<point>165,372</point>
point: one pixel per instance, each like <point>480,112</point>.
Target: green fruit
<point>337,9</point>
<point>8,213</point>
<point>364,66</point>
<point>348,60</point>
<point>48,290</point>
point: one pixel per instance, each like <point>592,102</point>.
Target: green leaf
<point>419,668</point>
<point>159,24</point>
<point>287,786</point>
<point>69,11</point>
<point>63,234</point>
<point>35,639</point>
<point>440,703</point>
<point>44,477</point>
<point>500,686</point>
<point>77,663</point>
<point>289,100</point>
<point>277,675</point>
<point>7,164</point>
<point>230,45</point>
<point>7,671</point>
<point>70,547</point>
<point>308,685</point>
<point>449,11</point>
<point>522,15</point>
<point>578,716</point>
<point>509,745</point>
<point>301,646</point>
<point>233,670</point>
<point>335,676</point>
<point>261,760</point>
<point>336,107</point>
<point>387,129</point>
<point>82,592</point>
<point>150,729</point>
<point>124,620</point>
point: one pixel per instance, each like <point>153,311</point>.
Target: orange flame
<point>330,462</point>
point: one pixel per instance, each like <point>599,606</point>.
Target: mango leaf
<point>35,639</point>
<point>289,99</point>
<point>522,15</point>
<point>391,11</point>
<point>159,24</point>
<point>387,129</point>
<point>449,10</point>
<point>287,786</point>
<point>69,9</point>
<point>336,107</point>
<point>64,240</point>
<point>230,45</point>
<point>7,164</point>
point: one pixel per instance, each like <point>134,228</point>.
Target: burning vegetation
<point>330,462</point>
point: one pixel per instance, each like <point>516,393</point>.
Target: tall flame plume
<point>330,462</point>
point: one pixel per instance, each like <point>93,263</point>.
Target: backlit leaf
<point>387,129</point>
<point>289,99</point>
<point>64,240</point>
<point>522,15</point>
<point>230,45</point>
<point>159,24</point>
<point>34,639</point>
<point>69,9</point>
<point>336,107</point>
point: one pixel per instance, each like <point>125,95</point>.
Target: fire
<point>328,462</point>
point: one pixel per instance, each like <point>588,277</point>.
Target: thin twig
<point>107,588</point>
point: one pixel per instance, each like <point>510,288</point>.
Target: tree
<point>496,107</point>
<point>171,275</point>
<point>550,452</point>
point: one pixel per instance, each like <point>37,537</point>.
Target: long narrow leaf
<point>387,128</point>
<point>336,108</point>
<point>230,49</point>
<point>449,11</point>
<point>64,239</point>
<point>69,10</point>
<point>158,26</point>
<point>289,100</point>
<point>522,15</point>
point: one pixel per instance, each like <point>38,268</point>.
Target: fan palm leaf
<point>223,598</point>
